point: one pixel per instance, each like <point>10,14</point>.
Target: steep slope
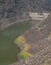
<point>39,40</point>
<point>13,10</point>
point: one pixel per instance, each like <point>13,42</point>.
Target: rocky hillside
<point>39,39</point>
<point>13,10</point>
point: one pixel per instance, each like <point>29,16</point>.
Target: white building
<point>37,16</point>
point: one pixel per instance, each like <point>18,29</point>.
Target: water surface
<point>9,51</point>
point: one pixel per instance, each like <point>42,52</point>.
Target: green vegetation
<point>23,56</point>
<point>9,51</point>
<point>21,42</point>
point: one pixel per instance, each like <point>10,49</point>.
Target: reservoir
<point>8,50</point>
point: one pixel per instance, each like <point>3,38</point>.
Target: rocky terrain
<point>12,11</point>
<point>39,38</point>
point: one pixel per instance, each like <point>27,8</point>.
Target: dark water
<point>9,51</point>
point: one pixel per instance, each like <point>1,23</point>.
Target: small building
<point>38,16</point>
